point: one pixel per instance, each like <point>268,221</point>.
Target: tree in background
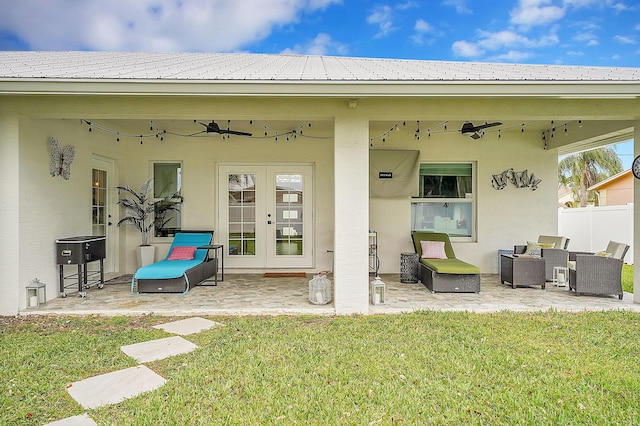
<point>584,169</point>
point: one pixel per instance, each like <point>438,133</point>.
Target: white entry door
<point>101,204</point>
<point>265,215</point>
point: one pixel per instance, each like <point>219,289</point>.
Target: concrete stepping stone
<point>154,350</point>
<point>111,388</point>
<point>188,326</point>
<point>81,420</point>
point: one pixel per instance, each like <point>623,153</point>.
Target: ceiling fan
<point>213,127</point>
<point>476,131</point>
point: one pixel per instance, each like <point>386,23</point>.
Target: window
<point>447,200</point>
<point>167,196</point>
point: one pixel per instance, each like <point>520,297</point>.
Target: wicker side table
<point>409,264</point>
<point>522,270</point>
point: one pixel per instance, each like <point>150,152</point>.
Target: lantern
<point>377,291</point>
<point>320,289</point>
<point>36,293</point>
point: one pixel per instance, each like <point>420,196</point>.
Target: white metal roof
<point>285,68</point>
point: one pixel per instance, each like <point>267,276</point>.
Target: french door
<point>101,220</point>
<point>265,215</point>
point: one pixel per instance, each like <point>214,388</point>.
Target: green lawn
<point>627,278</point>
<point>420,368</point>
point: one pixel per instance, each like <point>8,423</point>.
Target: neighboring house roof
<point>365,76</point>
<point>609,180</point>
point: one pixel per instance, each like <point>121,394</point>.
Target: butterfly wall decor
<point>61,159</point>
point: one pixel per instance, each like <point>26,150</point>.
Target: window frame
<point>468,199</point>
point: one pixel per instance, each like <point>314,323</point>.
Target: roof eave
<point>315,88</point>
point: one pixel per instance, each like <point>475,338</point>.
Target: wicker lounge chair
<point>599,273</point>
<point>450,275</point>
<point>178,276</point>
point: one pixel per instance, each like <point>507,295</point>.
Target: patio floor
<point>252,294</point>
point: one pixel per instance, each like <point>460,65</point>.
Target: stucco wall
<point>52,208</point>
<point>504,218</point>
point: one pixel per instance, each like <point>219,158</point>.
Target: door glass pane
<point>242,214</point>
<point>98,202</point>
<point>289,194</point>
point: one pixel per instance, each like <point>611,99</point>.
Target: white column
<point>9,215</point>
<point>636,218</point>
<point>351,239</point>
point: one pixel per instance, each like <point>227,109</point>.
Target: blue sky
<point>569,32</point>
<point>578,32</point>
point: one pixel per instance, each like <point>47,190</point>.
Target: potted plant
<point>139,214</point>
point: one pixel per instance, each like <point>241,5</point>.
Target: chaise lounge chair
<point>440,270</point>
<point>184,267</point>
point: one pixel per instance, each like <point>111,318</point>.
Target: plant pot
<point>145,255</point>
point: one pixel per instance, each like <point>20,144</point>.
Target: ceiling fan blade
<point>485,125</point>
<point>476,135</point>
<point>213,127</point>
<point>235,132</point>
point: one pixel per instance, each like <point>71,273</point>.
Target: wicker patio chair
<point>591,273</point>
<point>557,256</point>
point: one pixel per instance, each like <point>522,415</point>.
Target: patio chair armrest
<point>573,254</point>
<point>519,249</point>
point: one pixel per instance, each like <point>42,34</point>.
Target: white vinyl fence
<point>591,228</point>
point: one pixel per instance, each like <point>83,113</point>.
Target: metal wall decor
<point>518,179</point>
<point>61,159</point>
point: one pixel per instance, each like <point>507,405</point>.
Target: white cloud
<point>148,25</point>
<point>322,44</point>
<point>624,39</point>
<point>513,56</point>
<point>503,40</point>
<point>465,49</point>
<point>460,6</point>
<point>530,13</point>
<point>422,26</point>
<point>382,16</point>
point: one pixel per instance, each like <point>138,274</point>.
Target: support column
<point>636,217</point>
<point>9,214</point>
<point>351,239</point>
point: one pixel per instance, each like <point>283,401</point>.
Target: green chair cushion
<point>450,266</point>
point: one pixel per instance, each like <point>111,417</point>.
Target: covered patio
<point>321,123</point>
<point>253,294</point>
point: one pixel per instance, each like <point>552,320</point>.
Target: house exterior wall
<point>503,218</point>
<point>617,192</point>
<point>51,207</point>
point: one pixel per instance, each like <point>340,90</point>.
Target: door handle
<point>268,222</point>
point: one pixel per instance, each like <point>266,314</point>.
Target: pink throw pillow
<point>433,250</point>
<point>182,253</point>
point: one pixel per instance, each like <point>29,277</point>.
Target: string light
<point>159,134</point>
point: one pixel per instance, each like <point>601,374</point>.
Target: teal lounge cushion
<point>450,266</point>
<point>166,269</point>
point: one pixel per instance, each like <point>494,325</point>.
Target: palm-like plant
<point>139,210</point>
<point>582,170</point>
